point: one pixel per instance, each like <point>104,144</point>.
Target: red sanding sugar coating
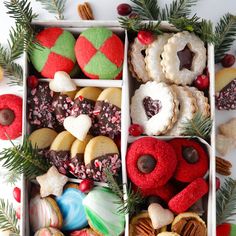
<point>166,162</point>
<point>14,103</point>
<point>185,171</point>
<point>188,196</point>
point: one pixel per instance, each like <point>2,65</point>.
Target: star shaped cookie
<point>52,182</point>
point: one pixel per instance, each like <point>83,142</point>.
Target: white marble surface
<point>106,10</point>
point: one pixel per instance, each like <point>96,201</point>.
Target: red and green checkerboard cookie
<point>57,53</point>
<point>100,53</point>
<point>226,230</point>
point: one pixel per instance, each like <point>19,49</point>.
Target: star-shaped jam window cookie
<point>52,182</point>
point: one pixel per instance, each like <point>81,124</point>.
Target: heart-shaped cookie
<point>62,83</point>
<point>78,126</point>
<point>159,216</point>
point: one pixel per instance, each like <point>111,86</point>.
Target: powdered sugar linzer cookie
<point>188,107</point>
<point>183,58</point>
<point>154,106</point>
<point>153,58</point>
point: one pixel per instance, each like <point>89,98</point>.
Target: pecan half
<point>85,11</point>
<point>223,166</point>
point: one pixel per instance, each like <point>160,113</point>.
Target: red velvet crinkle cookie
<point>188,196</point>
<point>192,160</point>
<point>10,116</point>
<point>150,162</point>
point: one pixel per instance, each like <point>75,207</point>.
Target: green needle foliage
<point>199,126</point>
<point>226,202</point>
<point>225,32</point>
<point>8,219</point>
<point>54,6</point>
<point>24,159</point>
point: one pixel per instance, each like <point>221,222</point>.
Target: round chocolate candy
<point>7,116</point>
<point>190,155</point>
<point>146,163</point>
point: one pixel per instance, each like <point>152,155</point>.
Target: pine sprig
<point>8,219</point>
<point>54,6</point>
<point>226,202</point>
<point>12,177</point>
<point>225,32</point>
<point>177,9</point>
<point>134,198</point>
<point>24,159</point>
<point>146,9</point>
<point>135,24</point>
<point>199,126</point>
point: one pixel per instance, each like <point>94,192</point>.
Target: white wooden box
<point>126,85</point>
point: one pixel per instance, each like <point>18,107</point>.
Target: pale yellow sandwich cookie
<point>188,107</point>
<point>71,94</point>
<point>189,222</point>
<point>153,58</point>
<point>78,147</point>
<point>63,142</point>
<point>111,95</point>
<point>99,146</point>
<point>42,138</point>
<point>224,77</point>
<point>91,93</point>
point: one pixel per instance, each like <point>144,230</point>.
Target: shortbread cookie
<point>136,61</point>
<point>202,101</point>
<point>154,106</point>
<point>183,58</point>
<point>229,129</point>
<point>100,153</point>
<point>225,89</point>
<point>188,107</point>
<point>153,58</point>
<point>224,145</point>
<point>108,112</point>
<point>78,147</point>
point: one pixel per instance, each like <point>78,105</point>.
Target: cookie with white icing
<point>183,58</point>
<point>154,106</point>
<point>153,58</point>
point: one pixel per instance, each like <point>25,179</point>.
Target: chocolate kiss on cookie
<point>100,153</point>
<point>108,112</point>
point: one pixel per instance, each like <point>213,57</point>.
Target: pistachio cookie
<point>154,106</point>
<point>183,58</point>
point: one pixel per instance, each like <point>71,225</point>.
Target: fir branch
<point>146,9</point>
<point>135,24</point>
<point>12,70</point>
<point>24,159</point>
<point>201,27</point>
<point>177,9</point>
<point>12,177</point>
<point>54,6</point>
<point>199,126</point>
<point>134,198</point>
<point>225,32</point>
<point>8,219</point>
<point>226,202</point>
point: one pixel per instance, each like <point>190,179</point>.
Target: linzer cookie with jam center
<point>226,89</point>
<point>108,112</point>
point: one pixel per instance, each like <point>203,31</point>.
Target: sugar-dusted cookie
<point>100,53</point>
<point>49,231</point>
<point>229,128</point>
<point>189,223</point>
<point>136,61</point>
<point>224,145</point>
<point>44,212</point>
<point>100,153</point>
<point>42,138</point>
<point>153,58</point>
<point>101,210</point>
<point>10,116</point>
<point>188,107</point>
<point>225,85</point>
<point>108,112</point>
<point>183,58</point>
<point>154,106</point>
<point>72,209</point>
<point>54,54</point>
<point>202,101</point>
